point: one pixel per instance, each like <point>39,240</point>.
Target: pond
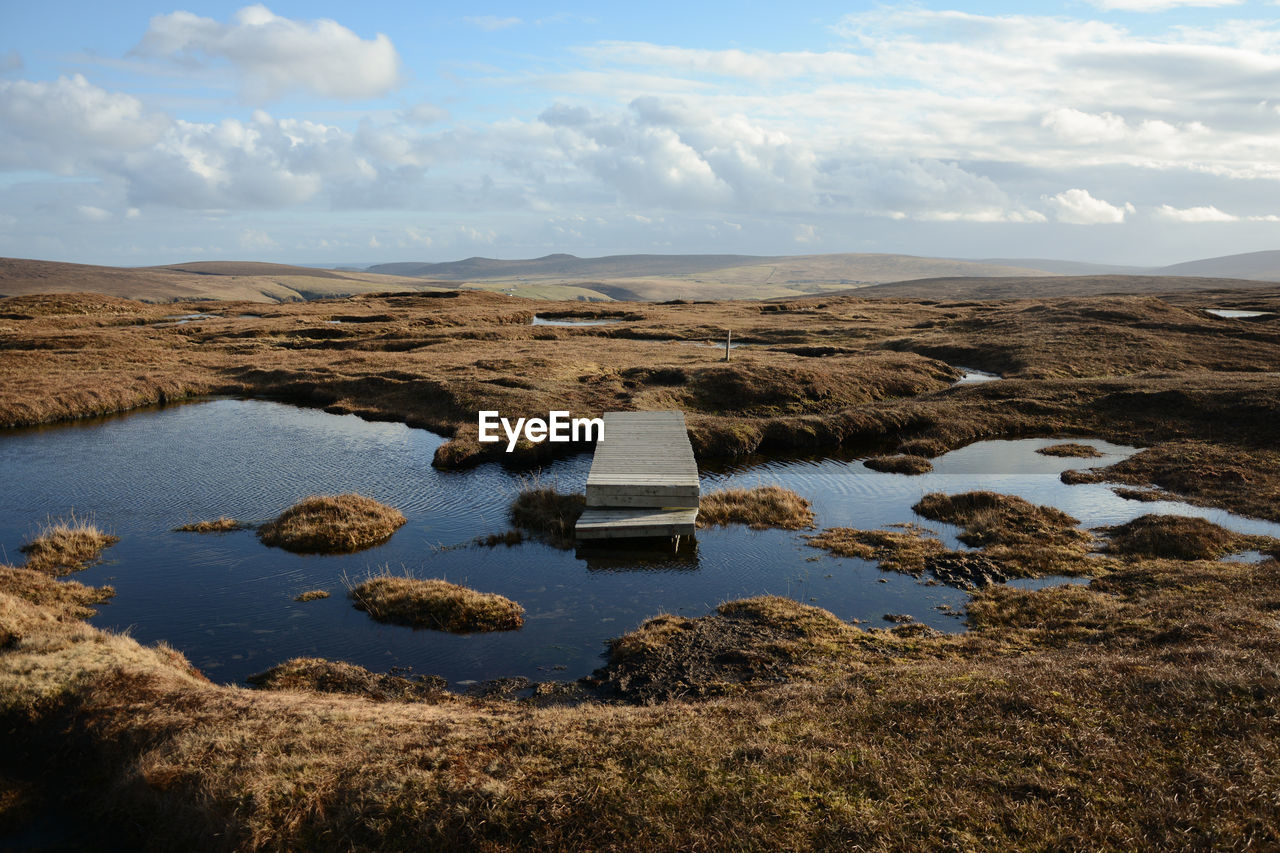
<point>226,600</point>
<point>1234,314</point>
<point>546,321</point>
<point>972,376</point>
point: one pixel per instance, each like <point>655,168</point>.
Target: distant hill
<point>1069,267</point>
<point>705,276</point>
<point>1041,287</point>
<point>248,281</point>
<point>248,268</point>
<point>1263,266</point>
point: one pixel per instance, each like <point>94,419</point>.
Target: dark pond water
<point>227,601</point>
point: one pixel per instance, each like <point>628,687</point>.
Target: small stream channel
<point>226,600</point>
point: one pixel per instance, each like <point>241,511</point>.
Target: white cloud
<point>276,55</point>
<point>1206,213</point>
<point>1081,127</point>
<point>1156,5</point>
<point>1078,207</point>
<point>806,234</point>
<point>490,23</point>
<point>418,236</point>
<point>254,238</point>
<point>67,123</point>
<point>93,214</point>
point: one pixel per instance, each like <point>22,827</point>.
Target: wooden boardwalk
<point>643,480</point>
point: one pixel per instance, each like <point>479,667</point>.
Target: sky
<point>1141,132</point>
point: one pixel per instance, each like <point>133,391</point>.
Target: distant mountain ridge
<point>1263,266</point>
<point>610,266</point>
<point>845,268</point>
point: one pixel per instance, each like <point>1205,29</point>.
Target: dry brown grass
<point>907,550</point>
<point>545,513</point>
<point>317,675</point>
<point>312,595</point>
<point>759,508</point>
<point>332,523</point>
<point>66,546</point>
<point>69,599</point>
<point>903,463</point>
<point>435,604</point>
<point>1070,449</point>
<point>1180,537</point>
<point>1025,539</point>
<point>990,518</point>
<point>217,525</point>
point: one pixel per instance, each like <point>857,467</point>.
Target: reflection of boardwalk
<point>643,480</point>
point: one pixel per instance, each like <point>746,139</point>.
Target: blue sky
<point>1125,131</point>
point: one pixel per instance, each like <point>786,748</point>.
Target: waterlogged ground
<point>227,601</point>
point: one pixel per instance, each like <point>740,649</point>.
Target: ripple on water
<point>227,601</point>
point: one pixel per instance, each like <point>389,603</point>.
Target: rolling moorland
<point>1138,711</point>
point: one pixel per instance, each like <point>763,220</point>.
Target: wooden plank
<point>615,499</point>
<point>611,523</point>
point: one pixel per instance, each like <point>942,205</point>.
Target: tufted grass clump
<point>332,524</point>
<point>435,604</point>
<point>759,508</point>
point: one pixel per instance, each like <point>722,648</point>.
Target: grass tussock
<point>906,551</point>
<point>547,514</point>
<point>436,604</point>
<point>990,518</point>
<point>1023,538</point>
<point>332,524</point>
<point>312,595</point>
<point>317,675</point>
<point>216,525</point>
<point>759,508</point>
<point>748,642</point>
<point>66,546</point>
<point>1179,537</point>
<point>902,463</point>
<point>1070,449</point>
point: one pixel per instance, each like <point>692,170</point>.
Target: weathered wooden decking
<point>643,480</point>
